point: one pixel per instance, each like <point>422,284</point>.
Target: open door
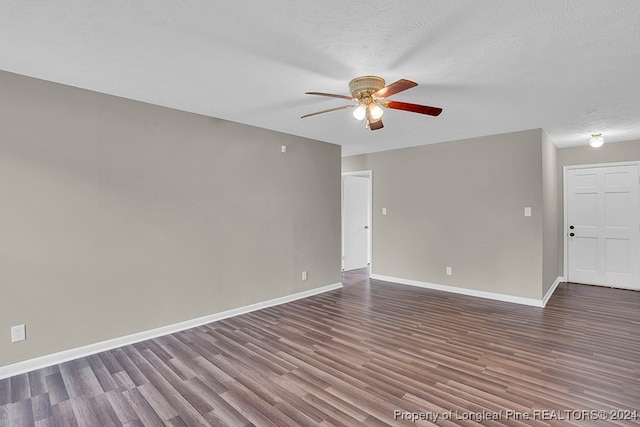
<point>356,220</point>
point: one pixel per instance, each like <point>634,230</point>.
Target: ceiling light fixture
<point>360,112</point>
<point>596,140</point>
<point>368,108</point>
<point>375,111</point>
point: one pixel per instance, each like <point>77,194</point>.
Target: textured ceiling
<point>569,67</point>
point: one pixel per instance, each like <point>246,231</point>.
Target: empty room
<point>331,213</point>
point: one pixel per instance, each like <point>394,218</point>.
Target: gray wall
<point>551,214</point>
<point>117,217</point>
<point>608,153</point>
<point>460,204</point>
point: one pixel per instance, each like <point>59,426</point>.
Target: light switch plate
<point>527,211</point>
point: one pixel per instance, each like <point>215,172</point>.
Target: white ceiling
<point>494,66</point>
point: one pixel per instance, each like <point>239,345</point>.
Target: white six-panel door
<point>603,221</point>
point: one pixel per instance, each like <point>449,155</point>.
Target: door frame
<point>363,174</point>
<point>565,201</point>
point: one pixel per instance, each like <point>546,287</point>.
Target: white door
<point>355,233</point>
<point>603,226</point>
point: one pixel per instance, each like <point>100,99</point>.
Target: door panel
<point>603,216</point>
<point>587,254</point>
<point>617,253</point>
<point>586,205</point>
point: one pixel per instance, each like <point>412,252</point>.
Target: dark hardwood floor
<point>369,354</point>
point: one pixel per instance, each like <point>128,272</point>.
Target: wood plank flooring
<point>367,355</point>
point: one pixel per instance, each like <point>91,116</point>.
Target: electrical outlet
<point>304,275</point>
<point>18,333</point>
<point>449,271</point>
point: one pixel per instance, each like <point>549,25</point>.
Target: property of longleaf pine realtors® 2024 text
<point>507,414</point>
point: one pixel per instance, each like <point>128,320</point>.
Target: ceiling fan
<point>369,93</point>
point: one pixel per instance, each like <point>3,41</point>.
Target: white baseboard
<point>551,290</point>
<point>75,353</point>
<point>472,292</point>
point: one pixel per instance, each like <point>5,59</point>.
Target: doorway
<point>602,222</point>
<point>356,220</point>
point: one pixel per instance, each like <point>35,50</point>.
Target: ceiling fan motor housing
<point>363,87</point>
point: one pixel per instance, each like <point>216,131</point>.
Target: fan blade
<point>332,95</point>
<point>414,108</point>
<point>394,88</point>
<point>376,125</point>
<point>344,107</point>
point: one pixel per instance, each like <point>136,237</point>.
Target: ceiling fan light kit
<point>368,93</point>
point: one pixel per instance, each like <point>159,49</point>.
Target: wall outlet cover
<point>18,333</point>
